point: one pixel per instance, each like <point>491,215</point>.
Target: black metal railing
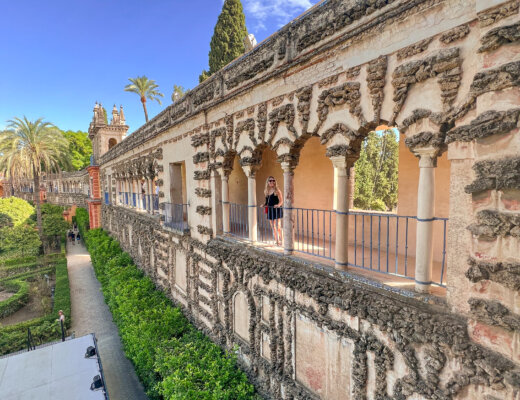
<point>176,216</point>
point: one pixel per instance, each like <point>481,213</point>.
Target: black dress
<point>272,212</point>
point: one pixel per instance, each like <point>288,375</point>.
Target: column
<point>351,187</point>
<point>341,170</point>
<point>252,219</point>
<point>216,204</point>
<point>425,217</point>
<point>149,182</point>
<point>224,179</point>
<point>288,214</point>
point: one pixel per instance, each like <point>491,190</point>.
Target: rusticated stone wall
<point>446,73</point>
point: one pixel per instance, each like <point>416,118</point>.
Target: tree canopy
<point>376,172</point>
<point>16,210</point>
<point>178,92</point>
<point>80,149</point>
<point>227,42</point>
<point>146,89</point>
<point>29,148</point>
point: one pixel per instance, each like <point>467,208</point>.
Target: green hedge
<point>17,300</point>
<point>82,220</point>
<point>172,358</point>
<point>46,328</point>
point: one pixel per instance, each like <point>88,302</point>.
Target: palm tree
<point>28,148</point>
<point>146,89</point>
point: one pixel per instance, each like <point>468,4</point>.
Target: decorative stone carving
<point>500,36</point>
<point>504,273</point>
<point>376,73</point>
<point>445,65</point>
<point>455,34</point>
<point>494,313</point>
<point>486,124</point>
<point>492,223</point>
<point>495,175</point>
<point>414,49</point>
<point>502,77</point>
<point>489,17</point>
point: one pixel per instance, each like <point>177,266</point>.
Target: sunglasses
<point>272,180</point>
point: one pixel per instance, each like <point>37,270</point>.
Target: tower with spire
<point>106,135</point>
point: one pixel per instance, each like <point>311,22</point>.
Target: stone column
<point>342,168</point>
<point>149,182</point>
<point>425,217</point>
<point>224,177</point>
<point>351,187</point>
<point>288,214</point>
<point>216,202</point>
<point>252,219</point>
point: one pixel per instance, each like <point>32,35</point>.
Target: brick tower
<point>104,136</point>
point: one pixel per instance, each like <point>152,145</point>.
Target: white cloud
<point>281,11</point>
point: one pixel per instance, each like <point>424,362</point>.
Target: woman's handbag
<point>265,209</point>
<point>266,206</point>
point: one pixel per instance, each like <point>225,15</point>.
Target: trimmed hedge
<point>82,220</point>
<point>46,328</point>
<point>17,300</point>
<point>172,358</point>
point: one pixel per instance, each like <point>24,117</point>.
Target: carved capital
<point>427,156</point>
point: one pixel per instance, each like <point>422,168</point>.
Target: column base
<point>422,287</point>
<point>341,265</point>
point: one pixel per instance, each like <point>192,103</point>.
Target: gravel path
<point>90,314</point>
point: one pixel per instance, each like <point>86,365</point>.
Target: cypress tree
<point>227,42</point>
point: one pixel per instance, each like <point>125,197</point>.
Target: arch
<point>111,143</point>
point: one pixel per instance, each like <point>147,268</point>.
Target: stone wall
<point>446,74</point>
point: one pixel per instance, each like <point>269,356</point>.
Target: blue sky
<point>58,57</point>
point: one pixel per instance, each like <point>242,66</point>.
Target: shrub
<point>17,300</point>
<point>22,239</point>
<point>172,359</point>
<point>82,220</point>
<point>17,210</point>
<point>46,328</point>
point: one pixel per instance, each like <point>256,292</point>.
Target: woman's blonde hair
<point>266,190</point>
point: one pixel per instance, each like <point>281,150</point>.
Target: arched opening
<point>237,181</point>
<point>111,143</point>
<point>314,193</point>
<point>270,167</point>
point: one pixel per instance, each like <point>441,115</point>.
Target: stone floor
<point>90,314</point>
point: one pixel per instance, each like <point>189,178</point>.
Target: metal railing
<point>238,220</point>
<point>107,198</point>
<point>134,199</point>
<point>176,216</point>
<point>381,243</point>
<point>378,242</point>
<point>313,231</point>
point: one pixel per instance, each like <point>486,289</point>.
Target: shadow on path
<point>90,314</point>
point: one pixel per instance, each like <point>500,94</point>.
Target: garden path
<point>90,314</point>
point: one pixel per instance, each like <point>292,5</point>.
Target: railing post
<point>425,217</point>
<point>250,171</point>
<point>216,198</point>
<point>342,167</point>
<point>288,201</point>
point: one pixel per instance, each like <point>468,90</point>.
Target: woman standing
<point>273,208</point>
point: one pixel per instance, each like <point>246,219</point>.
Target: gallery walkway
<point>90,314</point>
